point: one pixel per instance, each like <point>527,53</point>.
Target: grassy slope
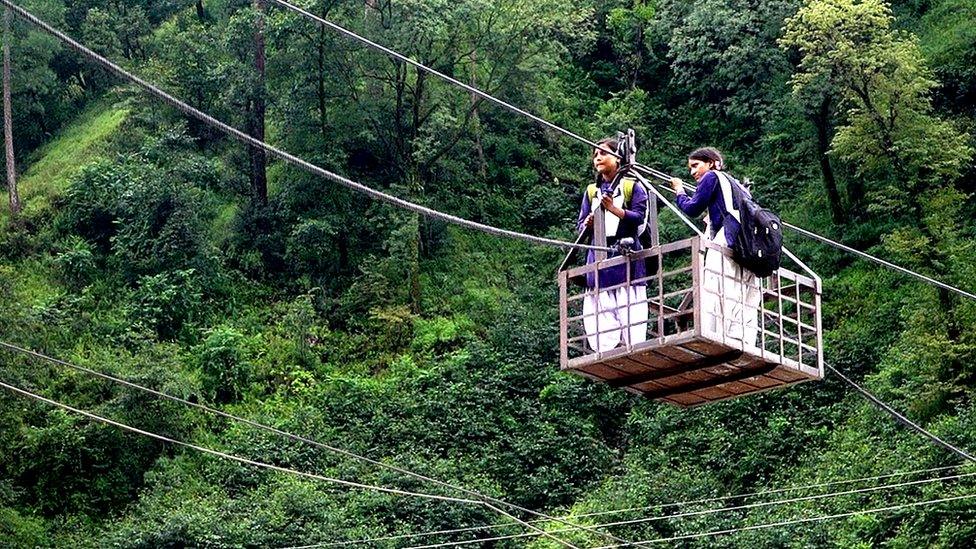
<point>51,167</point>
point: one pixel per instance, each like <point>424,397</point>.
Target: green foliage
<point>890,133</point>
<point>340,319</point>
<point>224,364</point>
<point>167,302</point>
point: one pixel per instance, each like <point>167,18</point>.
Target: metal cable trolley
<point>700,330</point>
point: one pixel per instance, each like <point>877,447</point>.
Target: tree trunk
<point>201,13</point>
<point>259,176</point>
<point>476,120</point>
<point>8,130</point>
<point>822,123</point>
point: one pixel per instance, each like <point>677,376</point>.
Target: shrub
<point>167,301</point>
<point>224,364</point>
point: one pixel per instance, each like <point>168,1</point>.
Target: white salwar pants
<point>619,312</point>
<point>730,299</point>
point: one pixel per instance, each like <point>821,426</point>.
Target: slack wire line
<point>285,156</point>
<point>543,122</point>
<point>634,509</point>
<point>703,512</point>
<point>764,526</point>
<point>272,467</point>
<point>901,418</point>
<point>483,499</point>
<point>833,243</point>
<point>187,109</point>
<point>233,457</point>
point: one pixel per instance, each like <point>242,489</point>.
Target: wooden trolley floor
<point>689,370</point>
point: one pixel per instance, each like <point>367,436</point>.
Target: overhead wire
<point>764,526</point>
<point>634,509</point>
<point>263,465</point>
<point>592,144</point>
<point>232,457</point>
<point>285,156</point>
<point>298,438</point>
<point>730,509</point>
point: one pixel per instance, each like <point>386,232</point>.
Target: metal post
<point>599,230</point>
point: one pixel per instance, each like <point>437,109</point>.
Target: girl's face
<point>699,168</point>
<point>605,163</point>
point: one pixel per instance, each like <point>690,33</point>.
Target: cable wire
<point>233,457</point>
<point>887,509</point>
<point>635,509</point>
<point>285,156</point>
<point>703,512</point>
<point>545,123</point>
<point>901,418</point>
<point>272,467</point>
<point>485,499</point>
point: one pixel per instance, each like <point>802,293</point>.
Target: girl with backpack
<point>730,294</point>
<point>620,313</point>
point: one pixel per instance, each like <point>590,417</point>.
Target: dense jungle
<point>150,246</point>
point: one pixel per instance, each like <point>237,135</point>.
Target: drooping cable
<point>730,509</point>
<point>232,457</point>
<point>636,509</point>
<point>647,170</point>
<point>262,465</point>
<point>298,438</point>
<point>285,156</point>
<point>764,526</point>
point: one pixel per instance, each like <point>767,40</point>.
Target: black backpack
<point>759,244</point>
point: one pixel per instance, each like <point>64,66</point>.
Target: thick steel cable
<point>764,526</point>
<point>203,117</point>
<point>420,66</point>
<point>543,122</point>
<point>233,457</point>
<point>287,157</point>
<point>703,512</point>
<point>632,509</point>
<point>298,438</point>
<point>901,418</point>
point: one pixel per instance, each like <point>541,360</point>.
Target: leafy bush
<point>224,364</point>
<point>168,301</point>
<point>76,264</point>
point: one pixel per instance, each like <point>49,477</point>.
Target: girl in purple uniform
<point>730,297</point>
<point>620,311</point>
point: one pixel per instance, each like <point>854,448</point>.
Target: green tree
<point>889,134</point>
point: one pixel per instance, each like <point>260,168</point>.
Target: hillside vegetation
<point>153,248</point>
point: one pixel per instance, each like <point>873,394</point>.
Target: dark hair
<point>609,143</point>
<point>708,154</point>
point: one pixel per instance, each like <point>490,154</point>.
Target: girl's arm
<point>698,202</point>
<point>584,213</point>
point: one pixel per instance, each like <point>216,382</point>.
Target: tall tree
<point>256,115</point>
<point>8,127</point>
<point>889,133</point>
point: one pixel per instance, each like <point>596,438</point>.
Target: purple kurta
<point>628,227</point>
<point>708,196</point>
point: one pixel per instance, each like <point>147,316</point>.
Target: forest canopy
<point>152,247</point>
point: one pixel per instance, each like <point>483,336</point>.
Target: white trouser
<point>612,315</point>
<point>730,299</point>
